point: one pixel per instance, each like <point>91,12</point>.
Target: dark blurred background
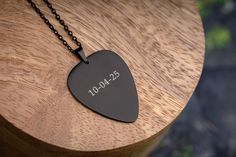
<point>207,127</point>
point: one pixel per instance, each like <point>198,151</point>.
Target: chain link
<point>57,16</point>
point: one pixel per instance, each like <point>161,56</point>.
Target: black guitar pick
<point>106,86</point>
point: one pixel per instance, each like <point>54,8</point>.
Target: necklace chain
<point>62,22</point>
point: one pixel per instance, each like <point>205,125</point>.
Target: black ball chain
<point>57,16</point>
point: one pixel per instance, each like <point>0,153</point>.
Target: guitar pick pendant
<point>104,84</point>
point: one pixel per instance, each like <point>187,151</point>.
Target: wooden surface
<point>162,42</point>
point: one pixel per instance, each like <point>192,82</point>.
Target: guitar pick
<point>106,86</point>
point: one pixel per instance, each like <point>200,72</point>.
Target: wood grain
<point>162,42</point>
